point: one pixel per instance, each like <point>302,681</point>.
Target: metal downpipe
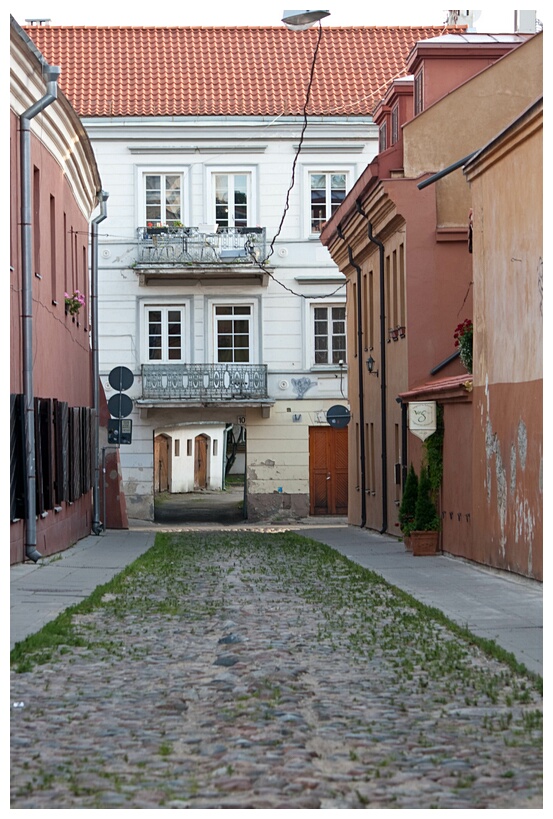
<point>362,456</point>
<point>97,526</point>
<point>51,74</point>
<point>384,425</point>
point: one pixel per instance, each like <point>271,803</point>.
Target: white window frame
<point>253,329</point>
<point>250,171</point>
<point>310,323</point>
<point>164,308</point>
<point>349,170</point>
<point>163,170</point>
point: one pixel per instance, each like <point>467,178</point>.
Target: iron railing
<point>205,382</point>
<point>192,245</point>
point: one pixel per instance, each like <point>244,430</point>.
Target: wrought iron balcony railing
<point>192,245</point>
<point>204,382</point>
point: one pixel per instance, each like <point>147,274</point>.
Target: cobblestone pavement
<point>263,670</point>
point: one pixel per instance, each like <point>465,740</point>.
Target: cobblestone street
<point>263,670</point>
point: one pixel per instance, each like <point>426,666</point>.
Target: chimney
<point>525,22</point>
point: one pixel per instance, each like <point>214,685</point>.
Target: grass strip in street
<point>328,577</point>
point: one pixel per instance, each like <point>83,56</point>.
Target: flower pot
<point>407,542</point>
<point>424,543</point>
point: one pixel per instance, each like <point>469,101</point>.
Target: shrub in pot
<point>408,505</point>
<point>426,526</point>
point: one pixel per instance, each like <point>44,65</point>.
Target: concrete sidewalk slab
<point>39,592</point>
<point>495,605</point>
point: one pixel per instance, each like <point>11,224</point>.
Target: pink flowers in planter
<point>74,303</point>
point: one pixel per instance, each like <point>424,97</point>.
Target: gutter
<point>97,526</point>
<point>446,171</point>
<point>360,370</point>
<point>384,423</point>
<point>51,74</point>
<point>382,370</point>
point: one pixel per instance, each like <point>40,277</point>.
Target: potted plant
<point>426,526</point>
<point>408,505</point>
<point>463,340</point>
<point>74,302</point>
<point>155,228</point>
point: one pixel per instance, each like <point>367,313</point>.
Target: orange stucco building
<point>402,239</point>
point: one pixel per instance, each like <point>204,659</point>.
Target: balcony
<point>204,383</point>
<point>209,254</point>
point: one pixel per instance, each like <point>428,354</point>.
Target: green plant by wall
<point>463,340</point>
<point>426,513</point>
<point>433,453</point>
<point>408,502</point>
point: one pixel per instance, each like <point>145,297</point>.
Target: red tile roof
<point>145,71</point>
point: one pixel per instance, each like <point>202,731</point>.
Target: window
<point>232,199</point>
<point>330,334</point>
<point>163,199</point>
<point>383,137</point>
<point>418,103</point>
<point>232,333</point>
<point>328,191</point>
<point>165,334</point>
<point>395,124</point>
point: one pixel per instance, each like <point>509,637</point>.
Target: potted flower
<point>408,505</point>
<point>426,525</point>
<point>463,340</point>
<point>154,228</point>
<point>74,302</point>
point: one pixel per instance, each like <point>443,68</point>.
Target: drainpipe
<point>360,370</point>
<point>382,371</point>
<point>97,526</point>
<point>384,425</point>
<point>51,74</point>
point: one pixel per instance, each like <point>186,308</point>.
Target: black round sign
<point>338,416</point>
<point>121,378</point>
<point>120,405</point>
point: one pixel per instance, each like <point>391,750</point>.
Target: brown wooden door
<point>328,471</point>
<point>161,463</point>
<point>200,462</point>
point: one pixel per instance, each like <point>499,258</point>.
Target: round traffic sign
<point>338,416</point>
<point>121,378</point>
<point>120,405</point>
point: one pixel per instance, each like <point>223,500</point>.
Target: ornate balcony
<point>213,254</point>
<point>204,383</point>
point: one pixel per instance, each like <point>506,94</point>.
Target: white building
<point>214,288</point>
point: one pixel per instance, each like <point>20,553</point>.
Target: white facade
<point>201,313</point>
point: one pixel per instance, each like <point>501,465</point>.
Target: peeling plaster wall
<point>278,458</point>
<point>507,489</point>
<point>507,187</point>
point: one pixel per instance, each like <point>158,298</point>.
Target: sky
<point>259,13</point>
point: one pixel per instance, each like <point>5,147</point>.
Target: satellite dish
<point>338,416</point>
<point>302,19</point>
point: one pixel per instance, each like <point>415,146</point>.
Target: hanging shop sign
<point>422,418</point>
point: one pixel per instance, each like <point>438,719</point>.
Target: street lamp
<point>302,19</point>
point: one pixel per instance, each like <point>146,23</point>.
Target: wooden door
<point>161,463</point>
<point>200,461</point>
<point>328,471</point>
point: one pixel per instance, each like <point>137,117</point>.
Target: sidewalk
<point>498,606</point>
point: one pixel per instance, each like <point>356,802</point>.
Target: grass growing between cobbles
<point>317,603</point>
<point>316,571</point>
